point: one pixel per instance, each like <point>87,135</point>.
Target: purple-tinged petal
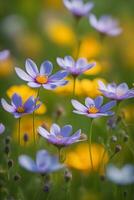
<point>79,112</point>
<point>87,67</point>
<point>93,21</point>
<point>21,74</point>
<point>34,85</point>
<point>74,138</point>
<point>31,68</point>
<point>107,106</point>
<point>102,86</point>
<point>58,76</point>
<point>78,106</point>
<point>16,100</point>
<point>42,160</point>
<point>89,102</point>
<point>6,106</point>
<point>55,165</point>
<point>49,86</point>
<point>66,130</point>
<point>55,129</point>
<point>88,6</point>
<point>69,61</point>
<point>46,68</point>
<point>98,101</point>
<point>2,128</point>
<point>43,132</point>
<point>27,163</point>
<point>122,89</point>
<point>81,62</point>
<point>29,104</point>
<point>61,63</point>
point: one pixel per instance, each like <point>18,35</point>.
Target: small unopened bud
<point>59,112</point>
<point>10,163</point>
<point>17,177</point>
<point>114,138</point>
<point>25,137</point>
<point>126,137</point>
<point>102,177</point>
<point>7,140</point>
<point>47,187</point>
<point>125,194</point>
<point>67,175</point>
<point>7,149</point>
<point>118,148</point>
<point>83,136</point>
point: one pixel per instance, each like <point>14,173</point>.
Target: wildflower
<point>93,108</point>
<point>105,25</point>
<point>6,63</point>
<point>4,54</point>
<point>2,128</point>
<point>25,92</point>
<point>78,8</point>
<point>36,78</point>
<point>116,92</point>
<point>17,108</point>
<point>44,163</point>
<point>75,68</point>
<point>123,176</point>
<point>60,137</point>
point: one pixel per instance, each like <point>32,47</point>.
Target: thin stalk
<point>74,85</point>
<point>90,143</point>
<point>19,135</point>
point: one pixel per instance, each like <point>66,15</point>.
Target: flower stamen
<point>93,110</point>
<point>20,109</point>
<point>42,79</point>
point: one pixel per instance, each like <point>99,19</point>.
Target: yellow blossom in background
<point>95,70</point>
<point>59,32</point>
<point>128,113</point>
<point>29,44</point>
<point>84,87</point>
<point>6,66</point>
<point>27,128</point>
<point>89,48</point>
<point>56,4</point>
<point>78,158</point>
<point>25,92</point>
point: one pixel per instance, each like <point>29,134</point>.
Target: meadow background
<point>45,30</point>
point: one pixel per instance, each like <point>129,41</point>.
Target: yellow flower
<point>79,158</point>
<point>90,47</point>
<point>128,113</point>
<point>6,66</point>
<point>59,32</point>
<point>26,127</point>
<point>25,92</point>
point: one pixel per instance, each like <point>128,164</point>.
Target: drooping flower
<point>36,78</point>
<point>75,68</point>
<point>123,176</point>
<point>93,108</point>
<point>2,128</point>
<point>44,163</point>
<point>117,92</point>
<point>105,25</point>
<point>78,8</point>
<point>60,137</point>
<point>17,108</point>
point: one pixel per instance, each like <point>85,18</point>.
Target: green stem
<point>74,85</point>
<point>19,135</point>
<point>90,143</point>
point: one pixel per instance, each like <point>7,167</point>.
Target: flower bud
<point>7,140</point>
<point>102,177</point>
<point>47,187</point>
<point>67,175</point>
<point>59,112</point>
<point>113,139</point>
<point>10,163</point>
<point>25,137</point>
<point>126,137</point>
<point>17,177</point>
<point>118,148</point>
<point>7,149</point>
<point>83,136</point>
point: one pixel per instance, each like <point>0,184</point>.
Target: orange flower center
<point>92,109</point>
<point>42,79</point>
<point>59,137</point>
<point>20,109</point>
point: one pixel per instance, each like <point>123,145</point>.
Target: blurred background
<point>44,30</point>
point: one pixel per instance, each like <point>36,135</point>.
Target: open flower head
<point>44,163</point>
<point>18,108</point>
<point>78,8</point>
<point>105,25</point>
<point>123,176</point>
<point>93,108</point>
<point>2,128</point>
<point>117,92</point>
<point>75,68</point>
<point>36,78</point>
<point>60,137</point>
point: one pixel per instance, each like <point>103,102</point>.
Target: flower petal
<point>6,106</point>
<point>21,74</point>
<point>31,68</point>
<point>66,130</point>
<point>29,104</point>
<point>122,89</point>
<point>16,100</point>
<point>2,128</point>
<point>55,129</point>
<point>78,106</point>
<point>89,102</point>
<point>43,132</point>
<point>42,160</point>
<point>46,68</point>
<point>98,101</point>
<point>27,163</point>
<point>34,85</point>
<point>107,106</point>
<point>58,76</point>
